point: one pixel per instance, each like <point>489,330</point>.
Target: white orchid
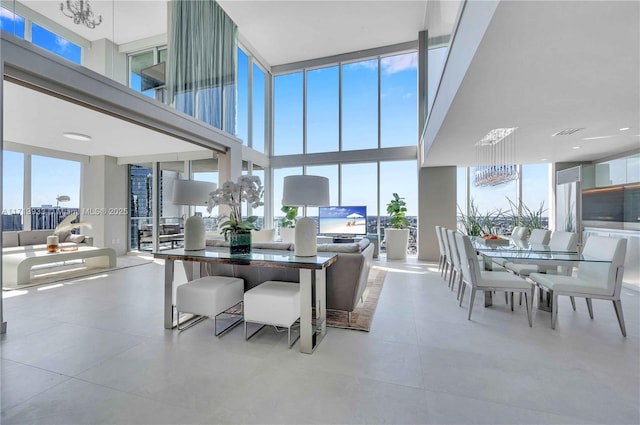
<point>247,189</point>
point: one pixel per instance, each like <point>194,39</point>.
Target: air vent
<point>567,132</point>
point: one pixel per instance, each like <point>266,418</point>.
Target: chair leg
<point>462,295</point>
<point>617,305</point>
<point>528,305</point>
<point>349,317</point>
<point>511,296</point>
<point>453,272</point>
<point>459,286</point>
<point>506,298</point>
<point>444,265</point>
<point>520,299</point>
<point>554,311</point>
<point>573,303</point>
<point>589,307</point>
<point>471,300</point>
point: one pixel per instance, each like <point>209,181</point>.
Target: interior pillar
<point>436,206</point>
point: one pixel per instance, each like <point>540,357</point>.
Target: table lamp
<point>193,192</point>
<point>305,191</point>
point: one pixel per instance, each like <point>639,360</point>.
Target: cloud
<point>370,64</point>
<point>62,43</point>
<point>5,13</point>
<point>400,63</point>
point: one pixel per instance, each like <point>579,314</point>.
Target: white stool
<point>272,303</point>
<point>210,296</point>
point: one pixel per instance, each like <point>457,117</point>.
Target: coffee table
<point>16,267</point>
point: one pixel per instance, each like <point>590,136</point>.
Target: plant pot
<point>288,234</point>
<point>396,242</point>
<point>240,243</point>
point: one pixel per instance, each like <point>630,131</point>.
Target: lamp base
<point>194,239</point>
<point>306,240</point>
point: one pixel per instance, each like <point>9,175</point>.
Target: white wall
<point>104,58</point>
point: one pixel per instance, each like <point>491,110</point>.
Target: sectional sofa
<point>346,278</point>
<point>37,239</point>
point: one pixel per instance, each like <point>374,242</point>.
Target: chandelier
<point>496,158</point>
<point>81,13</point>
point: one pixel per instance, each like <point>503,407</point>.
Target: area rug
<point>74,269</point>
<point>362,316</point>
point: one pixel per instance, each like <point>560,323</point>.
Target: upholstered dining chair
<point>539,237</point>
<point>455,258</point>
<point>448,264</point>
<point>477,279</point>
<point>518,237</point>
<point>600,280</point>
<point>443,254</point>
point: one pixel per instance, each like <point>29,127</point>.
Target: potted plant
<point>236,229</point>
<point>397,236</point>
<point>288,223</point>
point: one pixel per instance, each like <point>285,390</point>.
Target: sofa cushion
<point>34,237</point>
<point>64,236</point>
<point>344,247</point>
<point>76,238</point>
<point>10,239</point>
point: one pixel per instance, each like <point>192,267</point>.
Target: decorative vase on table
<point>240,242</point>
<point>52,243</point>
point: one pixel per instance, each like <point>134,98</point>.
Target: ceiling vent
<point>567,132</point>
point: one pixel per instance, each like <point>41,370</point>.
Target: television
<point>342,220</point>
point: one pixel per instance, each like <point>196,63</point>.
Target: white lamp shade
<point>310,191</point>
<point>192,192</point>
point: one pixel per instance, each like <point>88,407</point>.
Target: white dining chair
<point>448,264</point>
<point>600,280</point>
<point>443,254</point>
<point>539,237</point>
<point>477,279</point>
<point>455,258</point>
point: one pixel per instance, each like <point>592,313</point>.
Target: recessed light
<point>544,159</point>
<point>77,136</point>
<point>576,147</point>
<point>625,128</point>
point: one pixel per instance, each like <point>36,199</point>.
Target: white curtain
<point>202,62</point>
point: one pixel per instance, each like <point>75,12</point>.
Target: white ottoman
<point>210,296</point>
<point>272,303</point>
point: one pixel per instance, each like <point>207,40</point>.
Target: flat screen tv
<point>343,220</point>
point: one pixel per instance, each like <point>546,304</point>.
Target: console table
<point>312,272</point>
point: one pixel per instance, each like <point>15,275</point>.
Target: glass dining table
<point>534,254</point>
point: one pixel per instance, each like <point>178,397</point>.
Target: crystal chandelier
<point>81,13</point>
<point>496,157</point>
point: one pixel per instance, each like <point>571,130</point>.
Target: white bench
<point>16,267</point>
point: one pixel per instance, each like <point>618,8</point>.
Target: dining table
<point>535,254</point>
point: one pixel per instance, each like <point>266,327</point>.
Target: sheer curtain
<point>202,62</point>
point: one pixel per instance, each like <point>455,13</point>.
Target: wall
<point>104,202</point>
<point>437,206</point>
<point>104,58</point>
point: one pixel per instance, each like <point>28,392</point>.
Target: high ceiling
<point>541,66</point>
<point>545,67</point>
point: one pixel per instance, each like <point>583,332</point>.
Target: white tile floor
<point>94,351</point>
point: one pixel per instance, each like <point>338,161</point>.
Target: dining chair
<point>518,237</point>
<point>539,236</point>
<point>448,264</point>
<point>455,258</point>
<point>477,279</point>
<point>443,254</point>
<point>599,280</point>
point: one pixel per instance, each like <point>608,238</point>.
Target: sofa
<point>17,241</point>
<point>346,278</point>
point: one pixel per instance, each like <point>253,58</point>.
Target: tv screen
<point>351,220</point>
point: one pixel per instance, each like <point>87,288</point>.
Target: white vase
<point>396,242</point>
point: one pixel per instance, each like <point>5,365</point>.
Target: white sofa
<point>22,240</point>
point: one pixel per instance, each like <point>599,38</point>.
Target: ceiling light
<point>625,128</point>
<point>81,13</point>
<point>495,135</point>
<point>544,159</point>
<point>598,137</point>
<point>576,147</point>
<point>77,136</point>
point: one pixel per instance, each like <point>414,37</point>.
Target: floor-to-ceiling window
<point>342,113</point>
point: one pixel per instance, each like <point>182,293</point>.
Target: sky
<point>359,109</point>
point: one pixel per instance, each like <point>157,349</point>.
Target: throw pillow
<point>76,238</point>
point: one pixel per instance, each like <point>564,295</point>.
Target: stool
<point>272,303</point>
<point>210,296</point>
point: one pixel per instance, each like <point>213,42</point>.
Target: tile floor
<point>93,351</point>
